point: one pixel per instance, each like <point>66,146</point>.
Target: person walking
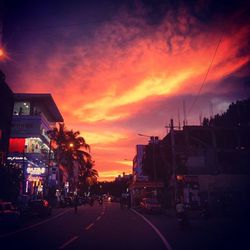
<point>75,203</point>
<point>180,212</point>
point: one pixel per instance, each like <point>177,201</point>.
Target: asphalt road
<point>109,227</point>
<point>99,227</point>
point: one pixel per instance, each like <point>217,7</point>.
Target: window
<point>21,108</point>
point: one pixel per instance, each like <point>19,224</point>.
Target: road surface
<point>108,226</point>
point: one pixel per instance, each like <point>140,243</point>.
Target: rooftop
<point>44,100</point>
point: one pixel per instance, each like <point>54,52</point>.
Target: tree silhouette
<point>72,153</point>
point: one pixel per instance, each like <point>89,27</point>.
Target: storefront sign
<point>34,178</point>
<point>10,158</point>
<point>35,171</point>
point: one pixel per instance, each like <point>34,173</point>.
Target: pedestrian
<point>123,200</point>
<point>129,201</point>
<point>180,212</point>
<point>75,203</point>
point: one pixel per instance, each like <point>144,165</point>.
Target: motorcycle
<point>183,220</point>
<point>91,202</point>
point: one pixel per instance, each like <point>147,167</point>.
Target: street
<point>108,226</point>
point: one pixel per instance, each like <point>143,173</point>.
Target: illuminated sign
<point>35,171</point>
<point>34,178</point>
<point>16,158</point>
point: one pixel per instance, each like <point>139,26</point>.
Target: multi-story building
<point>30,147</point>
<point>142,185</point>
<point>211,164</point>
<point>137,164</point>
<point>6,109</point>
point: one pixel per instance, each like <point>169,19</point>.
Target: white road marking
<point>98,218</point>
<point>89,226</point>
<point>34,225</point>
<point>165,242</point>
<point>68,242</point>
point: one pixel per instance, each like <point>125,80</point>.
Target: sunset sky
<point>119,68</point>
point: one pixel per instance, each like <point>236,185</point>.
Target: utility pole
<point>49,170</point>
<point>24,188</point>
<point>173,156</point>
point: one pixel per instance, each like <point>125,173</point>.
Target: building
<point>6,109</point>
<point>211,164</point>
<point>29,147</point>
<point>142,186</point>
<point>137,164</point>
<point>124,177</point>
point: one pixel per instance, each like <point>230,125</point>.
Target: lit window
<point>21,108</point>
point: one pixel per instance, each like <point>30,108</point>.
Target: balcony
<point>29,126</point>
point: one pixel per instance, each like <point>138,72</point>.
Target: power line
<point>205,77</point>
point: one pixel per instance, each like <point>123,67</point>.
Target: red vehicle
<point>39,207</point>
<point>150,205</point>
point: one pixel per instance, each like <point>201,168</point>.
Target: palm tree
<point>87,176</point>
<point>71,151</point>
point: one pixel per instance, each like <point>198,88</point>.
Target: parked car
<point>39,207</point>
<point>150,205</point>
<point>9,215</point>
<point>115,199</point>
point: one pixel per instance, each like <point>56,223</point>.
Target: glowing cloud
<point>125,67</point>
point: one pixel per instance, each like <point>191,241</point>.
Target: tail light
<point>45,203</point>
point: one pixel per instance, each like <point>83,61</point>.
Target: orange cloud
<point>126,66</point>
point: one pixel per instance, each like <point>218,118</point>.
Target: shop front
<point>146,189</point>
<point>35,180</point>
<point>31,156</point>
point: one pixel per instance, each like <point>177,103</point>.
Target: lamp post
<point>71,148</point>
<point>24,188</point>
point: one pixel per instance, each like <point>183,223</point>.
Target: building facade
<point>137,164</point>
<point>142,186</point>
<point>29,146</point>
<point>211,165</point>
<point>6,109</point>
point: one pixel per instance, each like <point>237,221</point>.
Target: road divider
<point>68,242</point>
<point>98,218</point>
<point>89,226</point>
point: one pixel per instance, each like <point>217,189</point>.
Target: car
<point>115,199</point>
<point>150,205</point>
<point>39,207</point>
<point>9,215</point>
